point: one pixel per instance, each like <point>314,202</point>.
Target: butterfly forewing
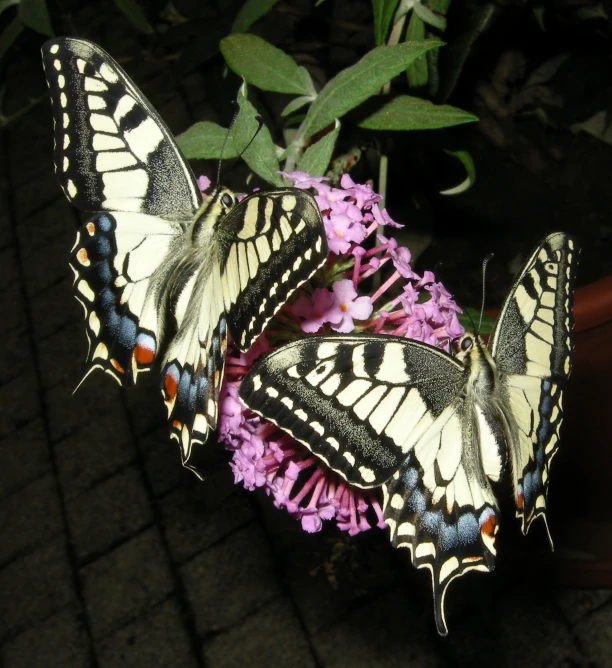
<point>532,345</point>
<point>112,150</point>
<point>269,244</point>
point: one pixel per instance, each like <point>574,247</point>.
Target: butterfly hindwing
<point>122,263</point>
<point>532,344</point>
<point>112,150</point>
<point>269,244</point>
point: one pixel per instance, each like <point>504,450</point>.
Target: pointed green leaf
<point>411,113</point>
<point>135,15</point>
<point>254,143</point>
<point>315,159</point>
<point>35,15</point>
<point>417,72</point>
<point>295,104</point>
<point>261,64</point>
<point>466,160</point>
<point>250,12</point>
<point>205,140</point>
<point>10,34</point>
<point>430,18</point>
<point>383,15</point>
<point>5,4</point>
<point>357,83</point>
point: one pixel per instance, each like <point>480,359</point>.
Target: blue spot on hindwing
<point>410,478</point>
<point>416,502</point>
<point>468,529</point>
<point>430,521</point>
<point>449,536</point>
<point>104,223</point>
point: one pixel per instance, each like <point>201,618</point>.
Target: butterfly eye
<point>227,201</point>
<point>466,344</point>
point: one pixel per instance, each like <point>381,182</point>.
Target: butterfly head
<point>216,206</point>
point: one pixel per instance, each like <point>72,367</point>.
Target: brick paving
<point>112,555</point>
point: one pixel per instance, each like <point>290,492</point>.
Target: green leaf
<point>430,18</point>
<point>456,53</point>
<point>135,16</point>
<point>205,140</point>
<point>10,34</point>
<point>417,72</point>
<point>357,83</point>
<point>5,4</point>
<point>315,159</point>
<point>466,160</point>
<point>383,15</point>
<point>470,317</point>
<point>295,104</point>
<point>254,143</point>
<point>250,12</point>
<point>411,113</point>
<point>35,15</point>
<point>262,64</point>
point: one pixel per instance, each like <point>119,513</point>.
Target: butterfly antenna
<point>485,262</point>
<point>227,134</point>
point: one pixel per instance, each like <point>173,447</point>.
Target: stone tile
<point>60,640</point>
<point>15,355</point>
<point>162,461</point>
<point>34,586</point>
<point>45,267</point>
<point>595,635</point>
<point>25,456</point>
<point>199,514</point>
<point>156,640</point>
<point>12,307</point>
<point>6,224</point>
<point>94,452</point>
<point>231,580</point>
<point>62,356</point>
<point>271,637</point>
<point>328,574</point>
<point>29,517</point>
<point>19,400</point>
<point>31,195</point>
<point>54,226</point>
<point>108,513</point>
<point>55,308</point>
<point>386,631</point>
<point>31,143</point>
<point>68,411</point>
<point>125,582</point>
<point>531,626</point>
<point>145,403</point>
<point>9,268</point>
<point>577,603</point>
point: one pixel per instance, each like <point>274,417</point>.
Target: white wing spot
<point>317,427</point>
<point>287,402</point>
<point>71,188</point>
<point>272,392</point>
<point>333,443</point>
<point>367,475</point>
<point>95,86</point>
<point>108,73</point>
<point>349,458</point>
<point>54,49</point>
<point>57,64</point>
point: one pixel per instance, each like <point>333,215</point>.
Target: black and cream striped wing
<point>112,150</point>
<point>268,245</point>
<point>532,344</point>
<point>122,264</point>
<point>381,410</point>
<point>253,257</point>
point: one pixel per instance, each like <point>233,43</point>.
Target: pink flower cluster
<point>405,304</point>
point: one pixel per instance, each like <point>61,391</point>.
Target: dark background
<point>111,554</point>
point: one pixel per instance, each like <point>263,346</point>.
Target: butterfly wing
<point>532,344</point>
<point>384,410</point>
<point>122,265</point>
<point>256,255</point>
<point>269,244</point>
<point>112,150</point>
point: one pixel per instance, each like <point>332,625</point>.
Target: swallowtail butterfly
<point>160,272</point>
<point>436,430</point>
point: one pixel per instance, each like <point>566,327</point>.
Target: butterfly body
<point>164,274</point>
<point>435,430</point>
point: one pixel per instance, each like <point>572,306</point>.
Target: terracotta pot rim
<point>593,304</point>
